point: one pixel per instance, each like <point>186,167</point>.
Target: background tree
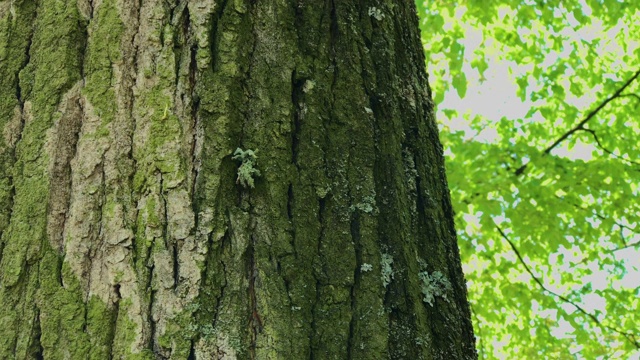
<point>228,179</point>
<point>544,174</point>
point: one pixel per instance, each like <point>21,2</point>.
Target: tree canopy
<point>539,109</point>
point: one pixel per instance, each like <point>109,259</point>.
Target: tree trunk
<point>234,179</point>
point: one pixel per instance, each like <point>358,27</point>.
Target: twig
<point>629,336</point>
<point>592,113</point>
<point>595,137</point>
<point>586,119</point>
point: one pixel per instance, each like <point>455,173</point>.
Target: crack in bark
<point>297,95</point>
<point>255,322</point>
<point>176,266</point>
<point>37,350</point>
<point>59,270</point>
<point>321,210</point>
<point>170,244</point>
<point>152,293</point>
<point>83,52</point>
<point>176,11</point>
<point>207,261</point>
<point>192,352</point>
<point>22,67</point>
<point>114,323</point>
<point>25,64</point>
<point>355,236</point>
<point>195,104</point>
<point>247,91</point>
<point>214,32</point>
<point>133,61</point>
<point>91,9</point>
<point>290,202</point>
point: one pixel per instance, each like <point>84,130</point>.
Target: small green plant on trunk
<point>246,170</point>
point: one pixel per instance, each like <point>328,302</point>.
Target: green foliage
<point>542,159</point>
<point>246,170</point>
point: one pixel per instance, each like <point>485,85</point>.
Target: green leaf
<point>459,82</point>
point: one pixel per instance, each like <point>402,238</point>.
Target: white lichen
<point>323,191</point>
<point>368,205</point>
<point>308,86</point>
<point>366,267</point>
<point>376,13</point>
<point>433,285</point>
<point>386,270</point>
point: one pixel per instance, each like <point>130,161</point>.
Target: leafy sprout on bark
<point>247,171</point>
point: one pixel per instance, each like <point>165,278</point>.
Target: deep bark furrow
<point>36,347</point>
<point>130,58</point>
<point>255,322</point>
<point>196,141</point>
<point>298,107</point>
<point>355,236</point>
<point>215,28</point>
<point>150,313</point>
<point>192,352</point>
<point>113,325</point>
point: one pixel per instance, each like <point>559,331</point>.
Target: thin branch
<point>592,113</point>
<point>629,336</point>
<point>586,119</point>
<point>601,217</point>
<point>636,96</point>
<point>620,226</point>
<point>595,137</point>
<point>634,244</point>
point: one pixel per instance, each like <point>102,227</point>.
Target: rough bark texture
<point>126,231</point>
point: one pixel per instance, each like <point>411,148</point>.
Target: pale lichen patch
<point>386,269</point>
<point>434,285</point>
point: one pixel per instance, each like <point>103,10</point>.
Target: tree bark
<point>132,228</point>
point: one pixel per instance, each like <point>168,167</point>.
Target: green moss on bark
<point>126,332</point>
<point>54,66</point>
<point>16,29</point>
<point>100,320</point>
<point>103,52</point>
<point>62,311</point>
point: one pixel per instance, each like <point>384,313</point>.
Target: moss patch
<point>103,51</point>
